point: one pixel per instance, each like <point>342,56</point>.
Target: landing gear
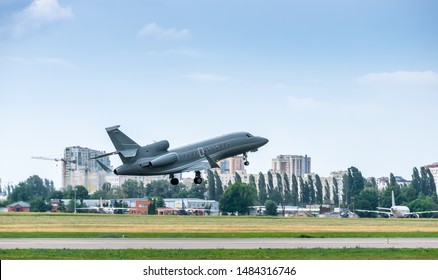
<point>245,158</point>
<point>174,181</point>
<point>198,180</point>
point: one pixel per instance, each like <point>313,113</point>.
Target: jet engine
<point>159,146</point>
<point>164,160</point>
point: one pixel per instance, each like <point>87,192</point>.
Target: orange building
<point>141,207</point>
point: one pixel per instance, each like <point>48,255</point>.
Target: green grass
<point>53,225</point>
<point>218,235</point>
<point>221,254</point>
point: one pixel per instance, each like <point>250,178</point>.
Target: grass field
<point>232,226</point>
<point>31,225</point>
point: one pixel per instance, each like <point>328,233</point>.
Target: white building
<point>80,169</point>
<point>292,164</point>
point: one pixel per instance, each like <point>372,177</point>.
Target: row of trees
<point>357,191</point>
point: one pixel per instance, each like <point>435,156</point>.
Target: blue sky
<point>349,83</point>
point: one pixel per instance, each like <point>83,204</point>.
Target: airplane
<point>103,209</point>
<point>157,159</point>
<point>396,211</point>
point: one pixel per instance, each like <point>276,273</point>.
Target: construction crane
<point>64,164</point>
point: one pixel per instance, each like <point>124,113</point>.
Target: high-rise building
<point>81,170</point>
<point>231,165</point>
<point>292,164</point>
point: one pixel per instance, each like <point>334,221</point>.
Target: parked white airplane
<point>104,209</point>
<point>396,211</point>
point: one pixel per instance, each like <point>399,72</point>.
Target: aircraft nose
<point>263,141</point>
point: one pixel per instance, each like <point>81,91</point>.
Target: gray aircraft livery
<point>157,159</point>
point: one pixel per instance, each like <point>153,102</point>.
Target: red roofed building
<point>19,206</point>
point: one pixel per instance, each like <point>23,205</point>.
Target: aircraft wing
<point>424,212</point>
<point>202,164</point>
<point>374,211</point>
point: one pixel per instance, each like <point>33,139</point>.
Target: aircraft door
<point>201,152</point>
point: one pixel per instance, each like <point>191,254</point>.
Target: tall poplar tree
<point>219,188</point>
<point>211,185</point>
<point>318,188</point>
<point>262,194</point>
<point>295,195</point>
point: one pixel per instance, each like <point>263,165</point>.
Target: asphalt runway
<point>214,243</point>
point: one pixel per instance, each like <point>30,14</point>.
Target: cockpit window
<point>249,135</point>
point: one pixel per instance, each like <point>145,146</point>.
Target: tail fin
<point>393,199</point>
<point>125,146</point>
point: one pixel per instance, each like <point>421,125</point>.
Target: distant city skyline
<point>351,83</point>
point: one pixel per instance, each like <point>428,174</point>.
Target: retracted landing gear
<point>174,181</point>
<point>198,180</point>
<point>245,158</point>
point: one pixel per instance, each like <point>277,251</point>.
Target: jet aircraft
<point>103,209</point>
<point>396,211</point>
<point>158,159</point>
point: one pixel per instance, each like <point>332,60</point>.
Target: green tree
<point>133,189</point>
<point>335,191</point>
<point>295,195</point>
<point>271,208</point>
<point>219,187</point>
<point>424,203</point>
<point>431,182</point>
<point>318,187</point>
<point>354,183</point>
<point>311,190</point>
<point>386,196</point>
<point>368,199</point>
<point>81,193</point>
<point>287,190</point>
<point>304,193</point>
<point>262,194</point>
<point>152,209</point>
<point>237,178</point>
<point>237,198</point>
<point>211,185</point>
<point>39,205</point>
<point>163,188</point>
<point>30,189</point>
<point>159,202</point>
<point>392,181</point>
<point>327,199</point>
<point>416,180</point>
<point>271,190</point>
<point>197,191</point>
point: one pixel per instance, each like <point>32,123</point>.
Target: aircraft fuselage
<point>150,161</point>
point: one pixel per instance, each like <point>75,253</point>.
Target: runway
<point>214,243</point>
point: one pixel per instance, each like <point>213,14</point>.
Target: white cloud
<point>154,30</point>
<point>303,103</point>
<point>425,78</point>
<point>207,77</point>
<point>38,14</point>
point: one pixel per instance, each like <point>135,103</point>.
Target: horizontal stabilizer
<point>105,155</point>
<point>104,167</point>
